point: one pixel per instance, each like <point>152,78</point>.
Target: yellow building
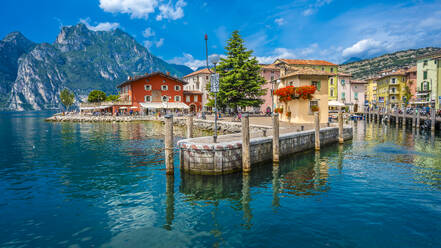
<point>371,92</point>
<point>320,65</point>
<point>391,89</point>
<point>300,111</point>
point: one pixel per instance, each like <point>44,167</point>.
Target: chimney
<point>168,73</point>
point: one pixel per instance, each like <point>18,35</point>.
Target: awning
<point>122,107</point>
<point>335,104</point>
<point>164,105</point>
<point>133,107</point>
<point>97,107</point>
<point>422,93</point>
<point>151,105</point>
<point>175,105</point>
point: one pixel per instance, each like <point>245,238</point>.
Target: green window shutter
<point>319,85</point>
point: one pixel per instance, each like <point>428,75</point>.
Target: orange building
<point>155,92</point>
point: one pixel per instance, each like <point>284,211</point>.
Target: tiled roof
<point>308,71</point>
<point>358,82</point>
<point>192,92</point>
<point>136,78</point>
<point>306,62</point>
<point>342,74</point>
<point>201,71</point>
<point>412,69</point>
<point>269,66</point>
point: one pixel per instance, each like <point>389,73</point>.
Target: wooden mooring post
<point>190,126</point>
<point>168,141</point>
<point>404,117</point>
<point>418,120</point>
<point>246,162</point>
<point>276,138</point>
<point>317,130</point>
<point>340,126</point>
<point>433,120</point>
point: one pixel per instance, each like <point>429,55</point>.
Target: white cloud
<point>280,21</point>
<point>136,8</point>
<point>308,12</point>
<point>102,26</point>
<point>278,53</point>
<point>188,60</point>
<point>159,43</point>
<point>168,11</point>
<point>315,6</point>
<point>148,44</point>
<point>364,48</point>
<point>143,8</point>
<point>148,32</point>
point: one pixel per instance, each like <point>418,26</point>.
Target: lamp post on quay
<point>214,83</point>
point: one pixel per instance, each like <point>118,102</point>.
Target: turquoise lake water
<point>104,184</point>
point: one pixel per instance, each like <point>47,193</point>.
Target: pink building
<point>270,73</point>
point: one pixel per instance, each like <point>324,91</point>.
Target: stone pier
<point>201,156</point>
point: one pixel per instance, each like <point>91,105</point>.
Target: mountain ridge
<point>391,61</point>
<point>81,60</point>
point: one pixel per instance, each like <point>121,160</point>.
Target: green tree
<point>240,83</point>
<point>67,98</point>
<point>96,96</point>
<point>112,98</point>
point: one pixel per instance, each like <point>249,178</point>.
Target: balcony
<point>394,83</point>
<point>394,92</point>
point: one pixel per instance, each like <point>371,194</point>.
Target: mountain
<point>350,60</point>
<point>370,67</point>
<point>185,70</point>
<point>11,48</point>
<point>80,60</point>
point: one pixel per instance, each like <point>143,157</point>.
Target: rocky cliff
<point>80,60</point>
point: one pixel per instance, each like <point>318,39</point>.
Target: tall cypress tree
<point>240,83</point>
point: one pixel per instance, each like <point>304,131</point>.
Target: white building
<point>197,81</point>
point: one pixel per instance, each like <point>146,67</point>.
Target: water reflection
<point>170,201</point>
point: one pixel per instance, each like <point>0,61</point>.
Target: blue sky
<point>174,29</point>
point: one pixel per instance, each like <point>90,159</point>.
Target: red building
<point>155,92</point>
<point>193,99</point>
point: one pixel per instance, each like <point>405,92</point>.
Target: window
<point>312,104</point>
<point>425,75</point>
<point>356,95</point>
<point>331,92</point>
<point>147,87</point>
<point>147,98</point>
<point>177,98</point>
<point>177,87</point>
<point>332,69</point>
<point>164,87</point>
<point>206,78</point>
<point>291,83</point>
<point>316,84</point>
<point>342,82</point>
<point>165,98</point>
<point>195,98</point>
<point>425,62</point>
<point>163,80</point>
<point>394,80</point>
<point>272,77</point>
<point>187,98</point>
<point>323,68</point>
<point>332,81</point>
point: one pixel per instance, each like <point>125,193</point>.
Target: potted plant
<point>314,108</point>
<point>288,114</point>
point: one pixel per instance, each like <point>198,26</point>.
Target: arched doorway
<point>192,108</point>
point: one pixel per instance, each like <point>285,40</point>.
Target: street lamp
<point>214,83</point>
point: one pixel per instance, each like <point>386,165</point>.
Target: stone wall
<point>224,127</point>
<point>222,158</point>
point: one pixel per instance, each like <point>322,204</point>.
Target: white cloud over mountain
<point>102,26</point>
<point>143,8</point>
